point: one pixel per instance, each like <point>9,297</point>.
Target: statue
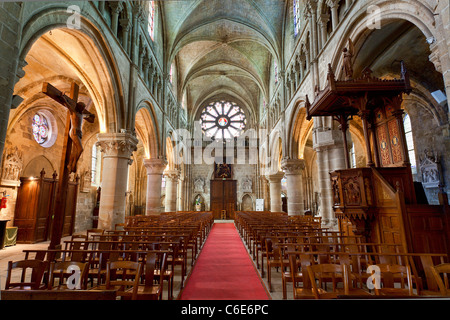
<point>76,119</point>
<point>348,65</point>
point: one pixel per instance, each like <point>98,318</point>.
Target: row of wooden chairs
<point>129,279</point>
<point>99,257</point>
<point>316,256</point>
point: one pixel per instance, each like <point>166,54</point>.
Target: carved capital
<point>276,177</point>
<point>293,166</point>
<point>116,6</point>
<point>172,175</point>
<point>155,166</point>
<point>119,145</point>
<point>434,57</point>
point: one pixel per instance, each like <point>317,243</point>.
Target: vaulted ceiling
<point>223,49</point>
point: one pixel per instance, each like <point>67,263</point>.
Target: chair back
<point>130,274</point>
<point>442,281</point>
<point>67,270</point>
<point>37,267</point>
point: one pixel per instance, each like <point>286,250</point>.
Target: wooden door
<point>223,197</point>
<point>24,217</point>
<point>69,213</point>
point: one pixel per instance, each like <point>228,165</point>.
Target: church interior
<point>144,143</point>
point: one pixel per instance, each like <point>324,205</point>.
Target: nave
<point>254,257</point>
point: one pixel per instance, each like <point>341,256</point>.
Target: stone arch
<point>35,165</point>
<point>247,202</point>
<point>299,131</point>
<point>358,30</point>
<point>170,155</point>
<point>275,152</point>
<point>108,98</point>
<point>147,130</point>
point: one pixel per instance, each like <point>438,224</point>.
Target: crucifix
<point>72,149</point>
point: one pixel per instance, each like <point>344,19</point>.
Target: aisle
<point>224,270</point>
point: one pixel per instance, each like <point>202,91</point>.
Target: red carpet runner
<point>224,270</point>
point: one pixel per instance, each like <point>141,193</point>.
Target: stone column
<point>293,169</point>
<point>116,151</point>
<point>155,169</point>
<point>334,13</point>
<point>330,157</point>
<point>180,194</point>
<point>116,7</point>
<point>276,204</point>
<point>265,192</point>
<point>171,190</point>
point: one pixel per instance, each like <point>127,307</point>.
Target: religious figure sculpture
<point>77,115</point>
<point>223,170</point>
<point>12,164</point>
<point>348,65</point>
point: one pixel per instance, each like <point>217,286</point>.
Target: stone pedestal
<point>276,204</point>
<point>116,151</point>
<point>155,169</point>
<point>172,177</point>
<point>293,169</point>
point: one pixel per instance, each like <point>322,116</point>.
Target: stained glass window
<point>41,128</point>
<point>275,71</point>
<point>151,19</point>
<point>296,8</point>
<point>223,120</point>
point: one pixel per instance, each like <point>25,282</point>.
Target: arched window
<point>171,74</point>
<point>275,71</point>
<point>95,165</point>
<point>223,120</point>
<point>41,128</point>
<point>151,19</point>
<point>352,156</point>
<point>296,7</point>
<point>410,142</point>
<point>44,128</point>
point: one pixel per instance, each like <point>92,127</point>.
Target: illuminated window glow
<point>223,120</point>
<point>151,19</point>
<point>41,128</point>
<point>296,7</point>
<point>410,142</point>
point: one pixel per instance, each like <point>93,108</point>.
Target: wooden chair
<point>175,259</point>
<point>94,231</point>
<point>286,275</point>
<point>167,274</point>
<point>273,260</point>
<point>123,284</point>
<point>38,268</point>
<point>66,269</point>
<point>392,280</point>
<point>321,274</point>
<point>442,281</point>
<point>305,291</point>
<point>149,290</point>
<point>80,244</point>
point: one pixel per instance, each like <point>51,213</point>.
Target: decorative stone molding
<point>155,166</point>
<point>172,175</point>
<point>199,185</point>
<point>276,177</point>
<point>120,145</point>
<point>247,185</point>
<point>12,166</point>
<point>434,57</point>
<point>293,166</point>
